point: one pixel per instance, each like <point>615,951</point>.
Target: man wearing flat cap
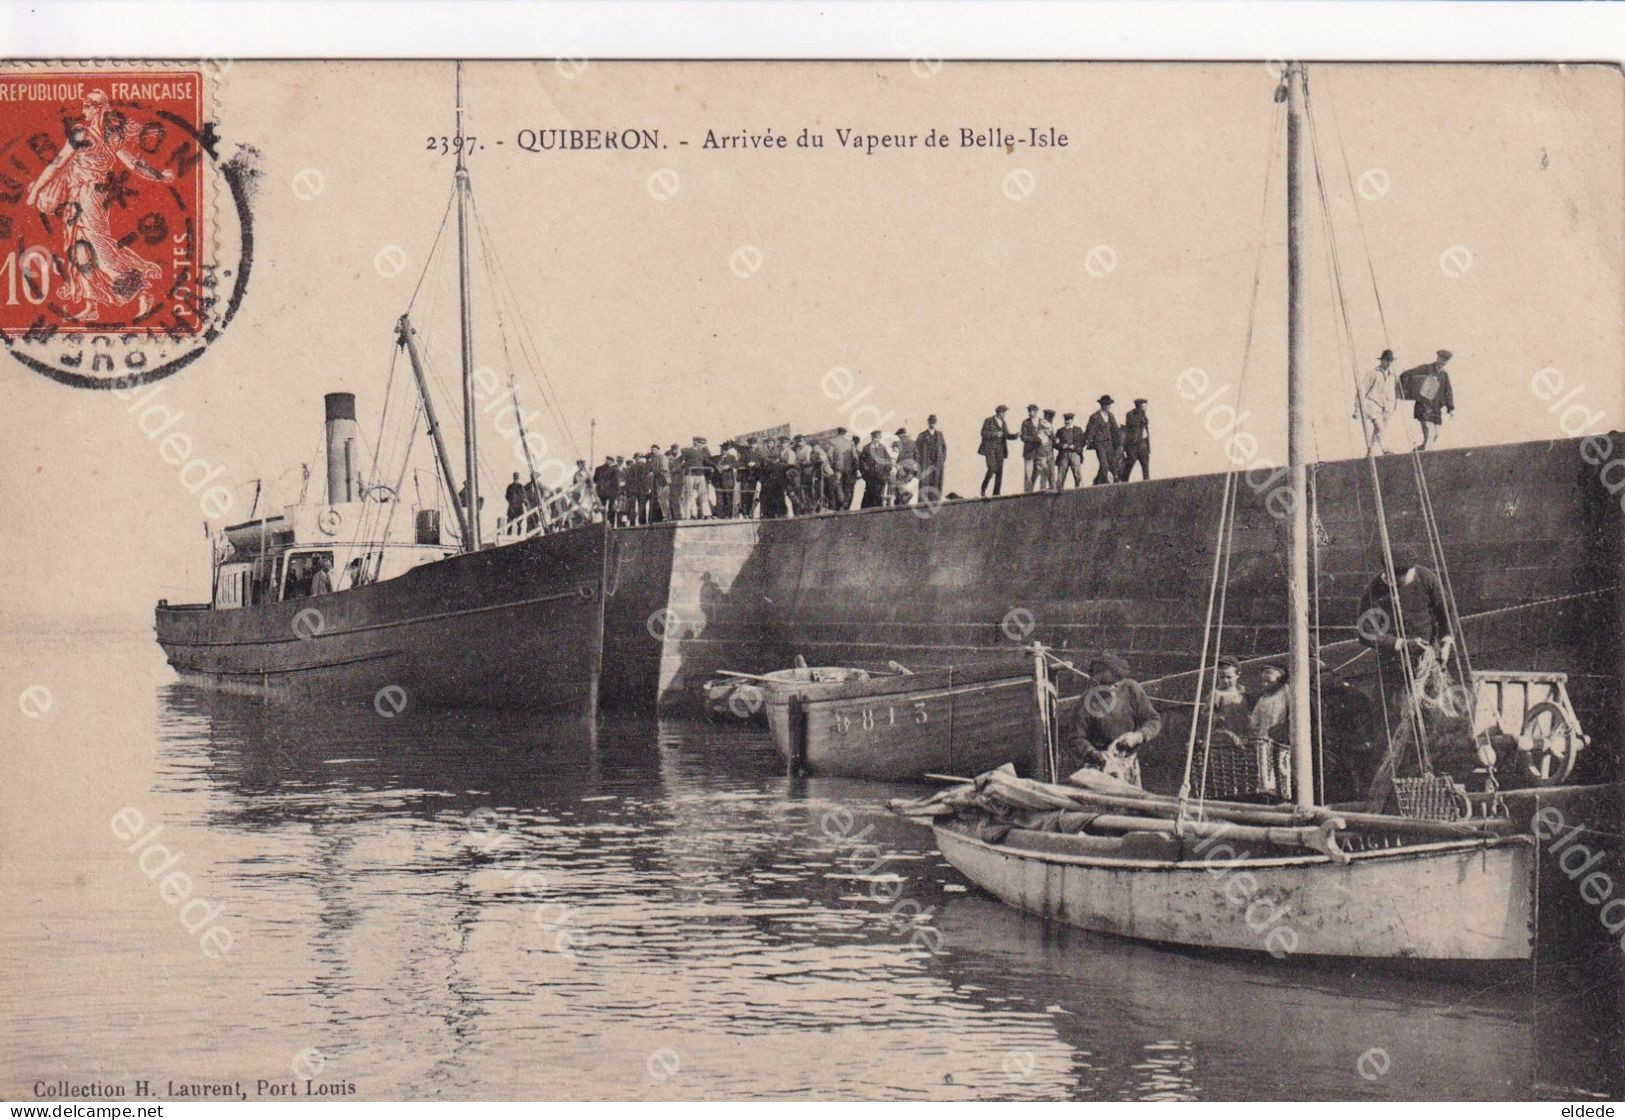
<point>1429,386</point>
<point>1031,439</point>
<point>695,463</point>
<point>1136,441</point>
<point>1375,401</point>
<point>875,466</point>
<point>1103,436</point>
<point>1045,475</point>
<point>1112,721</point>
<point>931,451</point>
<point>995,434</point>
<point>1068,452</point>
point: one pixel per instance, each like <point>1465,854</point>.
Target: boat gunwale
<point>1436,847</point>
<point>910,684</point>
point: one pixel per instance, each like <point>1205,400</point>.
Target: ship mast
<point>1296,440</point>
<point>409,339</point>
<point>471,520</point>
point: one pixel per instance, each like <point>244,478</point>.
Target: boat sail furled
<point>1449,878</point>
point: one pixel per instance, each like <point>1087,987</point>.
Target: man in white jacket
<point>1377,400</point>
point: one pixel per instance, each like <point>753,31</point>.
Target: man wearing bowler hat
<point>1136,440</point>
<point>1103,436</point>
<point>995,434</point>
<point>931,450</point>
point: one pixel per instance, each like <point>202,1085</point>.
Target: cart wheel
<point>1548,744</point>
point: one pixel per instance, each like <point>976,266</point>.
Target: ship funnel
<point>343,449</point>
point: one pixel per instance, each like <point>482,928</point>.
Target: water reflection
<point>458,904</point>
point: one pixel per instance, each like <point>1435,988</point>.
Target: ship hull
<point>513,627</point>
<point>1449,901</point>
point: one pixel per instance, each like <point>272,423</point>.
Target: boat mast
<point>409,339</point>
<point>471,519</point>
<point>1296,440</point>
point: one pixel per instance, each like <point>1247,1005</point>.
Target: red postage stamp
<point>103,215</point>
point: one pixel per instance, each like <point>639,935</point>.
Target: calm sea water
<point>444,905</point>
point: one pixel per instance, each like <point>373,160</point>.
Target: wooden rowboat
<point>899,727</point>
<point>1449,900</point>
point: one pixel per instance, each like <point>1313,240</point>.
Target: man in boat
<point>462,501</point>
<point>534,497</point>
<point>1136,441</point>
<point>1418,622</point>
<point>1103,436</point>
<point>1412,639</point>
<point>995,434</point>
<point>1271,706</point>
<point>1228,700</point>
<point>606,485</point>
<point>1268,730</point>
<point>1429,386</point>
<point>515,494</point>
<point>322,582</point>
<point>1375,402</point>
<point>1114,719</point>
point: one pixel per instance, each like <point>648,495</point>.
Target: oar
<point>747,676</point>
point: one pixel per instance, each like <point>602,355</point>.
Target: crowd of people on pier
<point>775,474</point>
<point>768,476</point>
<point>772,475</point>
<point>1051,453</point>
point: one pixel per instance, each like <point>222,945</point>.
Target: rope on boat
<point>1335,269</point>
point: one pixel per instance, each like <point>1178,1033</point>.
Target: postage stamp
<point>117,258</point>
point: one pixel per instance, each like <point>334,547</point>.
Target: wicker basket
<point>1232,768</point>
<point>1432,797</point>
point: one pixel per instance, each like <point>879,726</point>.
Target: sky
<point>690,291</point>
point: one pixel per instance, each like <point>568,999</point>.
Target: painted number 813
<point>867,720</point>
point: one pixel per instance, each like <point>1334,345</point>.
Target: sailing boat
<point>323,601</point>
<point>1300,879</point>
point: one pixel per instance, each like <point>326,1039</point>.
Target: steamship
<point>445,624</point>
<point>322,602</point>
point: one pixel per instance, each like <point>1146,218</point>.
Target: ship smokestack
<point>343,442</point>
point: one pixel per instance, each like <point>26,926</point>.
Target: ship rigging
<point>1426,871</point>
